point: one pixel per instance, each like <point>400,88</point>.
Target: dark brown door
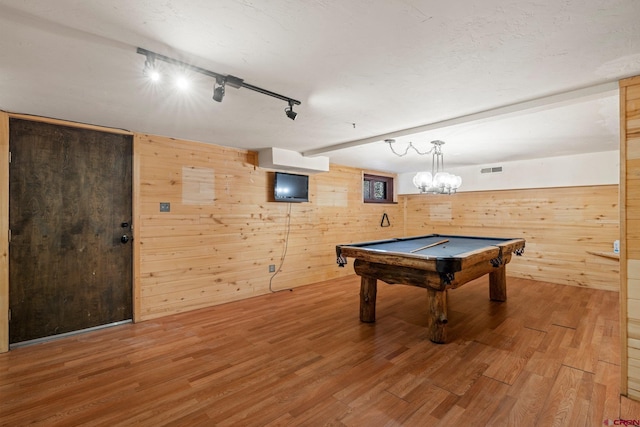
<point>69,208</point>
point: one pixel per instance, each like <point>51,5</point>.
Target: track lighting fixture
<point>289,111</point>
<point>221,80</point>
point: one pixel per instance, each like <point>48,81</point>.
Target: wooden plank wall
<point>630,224</point>
<point>222,233</point>
<point>559,225</point>
<point>4,229</point>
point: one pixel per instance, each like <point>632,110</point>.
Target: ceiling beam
<point>528,106</point>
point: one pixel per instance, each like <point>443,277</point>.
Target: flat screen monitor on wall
<point>290,187</point>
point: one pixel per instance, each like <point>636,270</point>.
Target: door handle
<point>124,239</point>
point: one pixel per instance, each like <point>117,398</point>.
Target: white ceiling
<point>496,80</point>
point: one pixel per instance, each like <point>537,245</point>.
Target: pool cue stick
<point>430,246</point>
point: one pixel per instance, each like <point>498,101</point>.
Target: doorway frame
<point>4,213</point>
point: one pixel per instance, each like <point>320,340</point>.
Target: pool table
<point>435,262</point>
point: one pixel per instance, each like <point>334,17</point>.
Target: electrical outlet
<point>272,268</point>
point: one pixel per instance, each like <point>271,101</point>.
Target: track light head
<point>218,92</point>
<point>291,114</point>
<point>150,69</point>
<point>289,111</point>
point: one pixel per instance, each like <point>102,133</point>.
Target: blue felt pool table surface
<point>455,246</point>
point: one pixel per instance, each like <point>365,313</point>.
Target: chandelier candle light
<point>437,181</point>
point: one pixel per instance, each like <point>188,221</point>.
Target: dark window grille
<point>377,189</point>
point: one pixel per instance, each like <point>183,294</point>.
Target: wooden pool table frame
<point>435,274</point>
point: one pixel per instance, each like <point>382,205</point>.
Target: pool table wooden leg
<point>437,315</point>
<point>498,284</point>
<point>368,291</point>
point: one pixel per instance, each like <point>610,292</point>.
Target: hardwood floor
<point>548,356</point>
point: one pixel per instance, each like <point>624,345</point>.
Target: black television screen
<point>289,187</point>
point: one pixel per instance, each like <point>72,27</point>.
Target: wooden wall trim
<point>68,123</point>
<point>537,188</point>
<point>631,81</point>
<point>4,232</point>
<point>630,239</point>
<point>624,351</point>
<point>135,205</point>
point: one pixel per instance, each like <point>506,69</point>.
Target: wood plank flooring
<point>548,356</point>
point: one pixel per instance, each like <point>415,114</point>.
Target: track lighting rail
<point>222,80</point>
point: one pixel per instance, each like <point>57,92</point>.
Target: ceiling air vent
<point>491,170</point>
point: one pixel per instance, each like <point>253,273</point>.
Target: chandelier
<point>437,181</point>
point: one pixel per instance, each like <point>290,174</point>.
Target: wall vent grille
<point>491,170</point>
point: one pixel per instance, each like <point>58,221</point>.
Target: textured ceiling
<point>364,71</point>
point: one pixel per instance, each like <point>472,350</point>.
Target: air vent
<point>491,170</point>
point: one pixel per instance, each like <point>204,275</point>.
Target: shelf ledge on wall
<point>281,159</point>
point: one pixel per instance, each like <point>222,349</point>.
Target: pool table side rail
<point>442,264</point>
<point>444,236</point>
<point>401,259</point>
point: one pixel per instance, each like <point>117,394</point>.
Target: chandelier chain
<point>410,146</point>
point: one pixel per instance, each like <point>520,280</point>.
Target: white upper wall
<point>567,171</point>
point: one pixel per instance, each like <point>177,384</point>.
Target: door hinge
<point>9,235</point>
<point>9,315</point>
<point>9,156</point>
